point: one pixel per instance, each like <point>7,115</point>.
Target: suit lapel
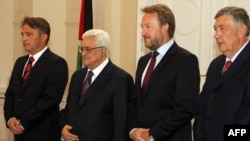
<point>140,69</point>
<point>37,67</point>
<point>236,66</point>
<point>162,64</point>
<point>79,84</point>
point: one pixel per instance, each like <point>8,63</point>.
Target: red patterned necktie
<point>27,70</point>
<point>149,71</point>
<point>86,84</point>
<point>226,66</point>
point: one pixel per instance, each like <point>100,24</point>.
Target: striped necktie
<point>27,70</point>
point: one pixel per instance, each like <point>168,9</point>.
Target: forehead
<point>88,41</point>
<point>27,28</point>
<point>224,20</point>
<point>149,17</point>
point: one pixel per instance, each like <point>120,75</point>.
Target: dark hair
<point>239,16</point>
<point>165,15</point>
<point>38,23</point>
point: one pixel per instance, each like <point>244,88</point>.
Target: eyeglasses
<point>87,49</point>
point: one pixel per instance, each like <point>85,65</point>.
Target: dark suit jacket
<point>225,98</point>
<point>167,107</point>
<point>102,115</point>
<point>37,104</point>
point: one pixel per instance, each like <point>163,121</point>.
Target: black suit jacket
<point>37,104</point>
<point>225,98</point>
<point>167,107</point>
<point>102,115</point>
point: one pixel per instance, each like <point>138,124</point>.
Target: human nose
<point>217,33</point>
<point>143,32</point>
<point>84,52</point>
<point>24,37</point>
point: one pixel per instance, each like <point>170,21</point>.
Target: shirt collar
<point>165,47</point>
<point>98,69</point>
<point>38,55</point>
<point>237,53</point>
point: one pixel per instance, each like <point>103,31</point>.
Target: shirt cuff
<point>130,133</point>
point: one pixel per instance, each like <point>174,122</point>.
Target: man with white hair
<point>100,112</point>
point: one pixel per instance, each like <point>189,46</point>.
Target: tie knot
<point>154,54</point>
<point>229,62</point>
<point>227,65</point>
<point>31,59</point>
<point>90,74</point>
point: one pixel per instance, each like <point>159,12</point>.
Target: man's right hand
<point>67,136</point>
<point>15,126</point>
<point>140,134</point>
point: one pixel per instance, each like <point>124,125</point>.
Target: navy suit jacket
<point>167,107</point>
<point>102,114</point>
<point>225,98</point>
<point>37,104</point>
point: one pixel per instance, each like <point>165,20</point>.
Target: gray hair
<point>239,15</point>
<point>101,36</point>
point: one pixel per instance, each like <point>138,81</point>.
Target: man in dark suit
<point>225,97</point>
<point>165,105</point>
<point>100,112</point>
<point>31,106</point>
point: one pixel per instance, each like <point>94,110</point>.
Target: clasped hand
<point>140,134</point>
<point>15,126</point>
<point>67,136</point>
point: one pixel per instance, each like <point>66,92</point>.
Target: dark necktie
<point>226,66</point>
<point>27,70</point>
<point>149,71</point>
<point>86,84</point>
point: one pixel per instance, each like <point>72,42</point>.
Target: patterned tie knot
<point>227,65</point>
<point>154,54</point>
<point>31,59</point>
<point>29,64</point>
<point>27,69</point>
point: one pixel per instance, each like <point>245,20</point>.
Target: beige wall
<point>119,18</point>
<point>6,40</point>
<point>116,17</point>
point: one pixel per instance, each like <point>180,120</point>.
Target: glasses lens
<point>87,49</point>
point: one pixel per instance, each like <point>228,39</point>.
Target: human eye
<point>215,29</point>
<point>148,26</point>
<point>222,28</point>
<point>219,28</point>
<point>88,48</point>
<point>28,34</point>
